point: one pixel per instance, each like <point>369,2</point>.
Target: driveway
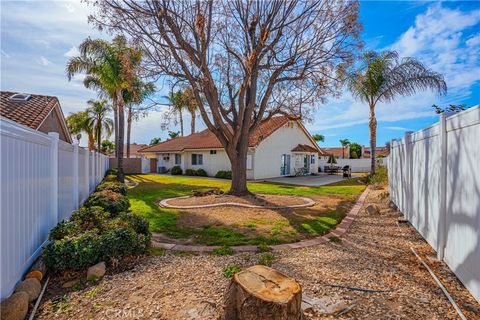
<point>309,181</point>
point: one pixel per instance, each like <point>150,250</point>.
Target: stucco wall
<point>52,124</point>
<point>267,159</point>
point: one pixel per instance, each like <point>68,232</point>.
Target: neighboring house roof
<point>207,139</point>
<point>304,148</point>
<point>32,112</point>
<point>335,151</point>
<point>379,151</point>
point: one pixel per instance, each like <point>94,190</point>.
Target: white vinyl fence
<point>434,179</point>
<point>357,165</point>
<point>43,179</point>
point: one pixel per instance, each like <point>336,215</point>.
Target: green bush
<point>110,201</point>
<point>87,218</point>
<point>190,172</point>
<point>380,177</point>
<point>111,172</point>
<point>63,229</point>
<point>110,178</point>
<point>89,248</point>
<point>137,223</point>
<point>222,174</point>
<point>176,171</point>
<point>117,187</point>
<point>266,259</point>
<point>201,173</point>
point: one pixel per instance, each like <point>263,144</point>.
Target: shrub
<point>190,172</point>
<point>380,177</point>
<point>110,201</point>
<point>263,248</point>
<point>222,174</point>
<point>230,270</point>
<point>176,171</point>
<point>112,172</point>
<point>87,218</point>
<point>89,248</point>
<point>266,259</point>
<point>63,229</point>
<point>137,223</point>
<point>117,187</point>
<point>110,178</point>
<point>201,173</point>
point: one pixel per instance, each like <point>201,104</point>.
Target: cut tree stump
<point>261,292</point>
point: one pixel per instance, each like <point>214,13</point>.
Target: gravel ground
<point>375,254</point>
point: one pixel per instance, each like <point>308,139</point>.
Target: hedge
<point>223,174</point>
<point>176,171</point>
<point>112,202</point>
<point>113,186</point>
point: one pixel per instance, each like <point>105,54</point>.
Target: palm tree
<point>110,67</point>
<point>319,137</point>
<point>139,92</point>
<point>191,105</point>
<point>344,143</point>
<point>98,120</point>
<point>382,77</point>
<point>77,123</point>
<point>178,105</point>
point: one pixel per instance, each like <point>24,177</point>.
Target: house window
<point>197,159</point>
<point>178,159</point>
<point>312,159</point>
<point>213,151</point>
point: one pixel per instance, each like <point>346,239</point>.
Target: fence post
<point>442,224</point>
<point>86,174</point>
<point>75,176</point>
<point>408,183</point>
<point>54,176</point>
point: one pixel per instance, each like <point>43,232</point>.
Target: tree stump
<point>261,292</point>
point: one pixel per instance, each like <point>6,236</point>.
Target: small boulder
<point>96,272</point>
<point>39,265</point>
<point>70,284</point>
<point>35,274</point>
<point>373,209</point>
<point>31,286</point>
<point>325,305</point>
<point>15,307</point>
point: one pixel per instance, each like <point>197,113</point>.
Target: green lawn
<point>153,188</point>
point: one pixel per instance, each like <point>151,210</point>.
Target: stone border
<point>164,203</point>
<point>339,231</point>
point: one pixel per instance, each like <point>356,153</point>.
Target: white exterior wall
<point>42,180</point>
<point>267,159</point>
<point>357,165</point>
<point>434,180</point>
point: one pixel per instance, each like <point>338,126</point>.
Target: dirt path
<point>375,254</point>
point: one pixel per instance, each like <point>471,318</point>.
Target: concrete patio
<point>309,181</point>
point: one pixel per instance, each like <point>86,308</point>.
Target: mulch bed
<point>257,200</point>
<point>375,255</point>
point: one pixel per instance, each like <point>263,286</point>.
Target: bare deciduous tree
<point>246,61</point>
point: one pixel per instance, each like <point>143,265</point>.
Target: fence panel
<point>434,180</point>
<point>37,191</point>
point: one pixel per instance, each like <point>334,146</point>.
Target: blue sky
<point>38,37</point>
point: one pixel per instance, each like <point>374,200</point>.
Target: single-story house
<point>278,147</point>
<point>39,112</point>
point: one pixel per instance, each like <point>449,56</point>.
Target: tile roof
<point>30,113</point>
<point>207,140</point>
<point>304,148</point>
<point>335,151</point>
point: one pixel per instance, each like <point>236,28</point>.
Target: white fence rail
<point>357,165</point>
<point>434,179</point>
<point>43,180</point>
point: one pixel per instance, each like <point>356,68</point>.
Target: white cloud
<point>72,52</point>
<point>44,61</point>
<point>397,128</point>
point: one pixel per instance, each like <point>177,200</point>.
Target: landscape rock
<point>40,266</point>
<point>97,271</point>
<point>70,283</point>
<point>193,313</point>
<point>325,305</point>
<point>31,286</point>
<point>35,274</point>
<point>373,209</point>
<point>15,307</point>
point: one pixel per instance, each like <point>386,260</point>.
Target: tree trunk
<point>181,121</point>
<point>192,122</point>
<point>261,292</point>
<point>372,122</point>
<point>129,129</point>
<point>99,138</point>
<point>115,124</point>
<point>238,160</point>
<point>91,141</point>
<point>121,129</point>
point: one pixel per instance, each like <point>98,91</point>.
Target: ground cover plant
<point>223,226</point>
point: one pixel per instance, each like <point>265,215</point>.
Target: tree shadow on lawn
<point>297,223</point>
